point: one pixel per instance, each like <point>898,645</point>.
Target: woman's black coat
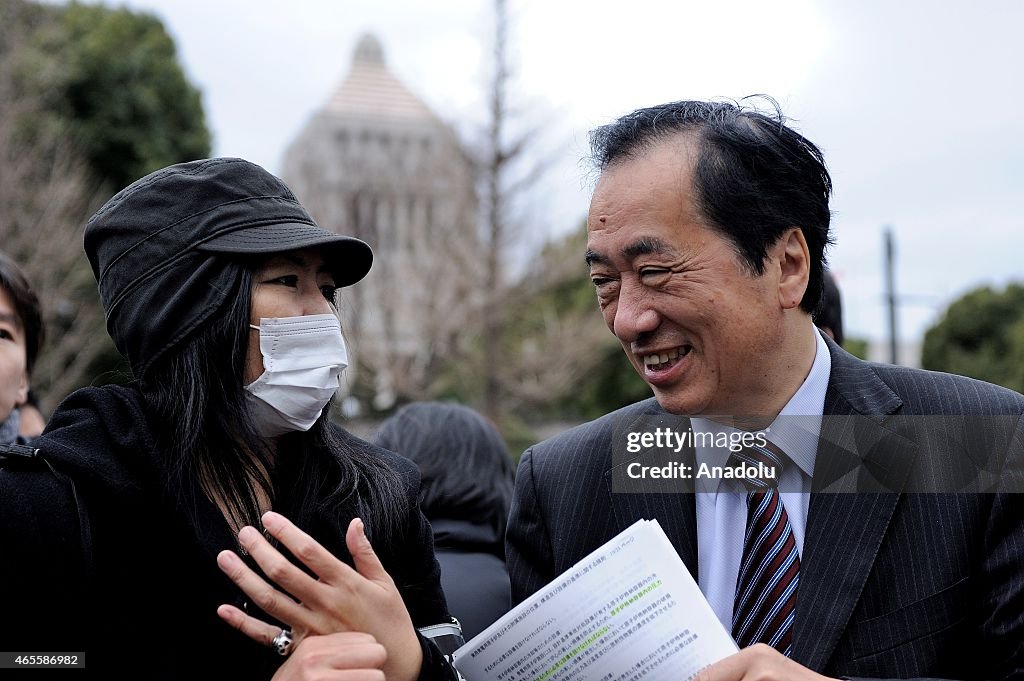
<point>95,557</point>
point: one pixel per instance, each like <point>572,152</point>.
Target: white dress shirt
<point>722,504</point>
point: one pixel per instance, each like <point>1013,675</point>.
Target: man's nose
<point>635,314</point>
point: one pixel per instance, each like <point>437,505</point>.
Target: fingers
<point>276,567</point>
<point>363,555</point>
<point>257,630</point>
<point>269,599</point>
<point>758,660</point>
<point>358,675</point>
<point>351,650</point>
<point>731,668</point>
<point>349,656</point>
<point>314,556</point>
<point>308,550</point>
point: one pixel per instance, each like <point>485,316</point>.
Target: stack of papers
<point>629,610</point>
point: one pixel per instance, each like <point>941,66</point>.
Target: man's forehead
<point>640,201</point>
<point>661,174</point>
<point>675,152</point>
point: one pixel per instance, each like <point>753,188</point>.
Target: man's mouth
<point>659,361</point>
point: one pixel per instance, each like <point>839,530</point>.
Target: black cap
<point>157,248</point>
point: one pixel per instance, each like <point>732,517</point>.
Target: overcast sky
<point>918,105</point>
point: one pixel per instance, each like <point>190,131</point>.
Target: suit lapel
<point>859,472</point>
<point>674,510</point>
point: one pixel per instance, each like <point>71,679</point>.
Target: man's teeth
<point>661,358</point>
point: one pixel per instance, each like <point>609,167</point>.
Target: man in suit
<point>707,232</point>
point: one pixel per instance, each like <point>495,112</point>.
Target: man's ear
<point>794,262</point>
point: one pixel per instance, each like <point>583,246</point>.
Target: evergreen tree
<point>981,335</point>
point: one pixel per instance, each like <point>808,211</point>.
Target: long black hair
<point>210,444</point>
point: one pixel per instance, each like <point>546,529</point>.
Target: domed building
<point>377,163</point>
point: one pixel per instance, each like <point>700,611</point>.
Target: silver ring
<point>282,643</point>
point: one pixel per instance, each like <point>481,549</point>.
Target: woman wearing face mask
<point>220,291</point>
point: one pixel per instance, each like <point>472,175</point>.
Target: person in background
<point>129,531</point>
<point>21,336</point>
<point>829,315</point>
<point>465,491</point>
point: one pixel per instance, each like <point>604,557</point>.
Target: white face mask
<point>303,358</point>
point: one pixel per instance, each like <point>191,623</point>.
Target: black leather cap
<point>158,248</point>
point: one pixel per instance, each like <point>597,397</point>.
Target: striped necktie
<point>769,573</point>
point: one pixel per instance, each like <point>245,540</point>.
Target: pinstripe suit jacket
<point>892,584</point>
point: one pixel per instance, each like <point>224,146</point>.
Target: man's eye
<point>601,281</point>
<point>329,291</point>
<point>6,335</point>
<point>653,272</point>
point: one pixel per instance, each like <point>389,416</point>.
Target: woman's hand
<point>348,656</point>
<point>343,600</point>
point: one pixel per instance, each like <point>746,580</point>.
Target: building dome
<point>376,163</point>
<point>369,50</point>
<point>371,90</point>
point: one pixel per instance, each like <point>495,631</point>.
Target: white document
<point>629,610</point>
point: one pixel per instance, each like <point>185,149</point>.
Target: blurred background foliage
<point>93,98</point>
<point>110,80</point>
<point>981,335</point>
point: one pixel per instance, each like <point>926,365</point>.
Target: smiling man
<point>707,235</point>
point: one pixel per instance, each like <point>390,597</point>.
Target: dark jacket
<point>473,573</point>
<point>97,557</point>
<point>893,584</point>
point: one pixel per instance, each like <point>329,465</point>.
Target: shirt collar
<point>795,430</point>
<point>797,427</point>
